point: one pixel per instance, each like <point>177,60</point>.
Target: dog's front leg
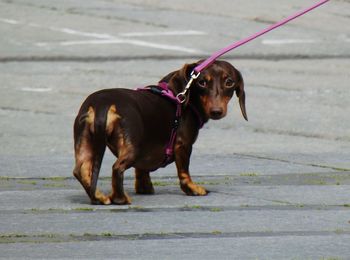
<point>182,160</point>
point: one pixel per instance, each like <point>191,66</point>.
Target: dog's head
<point>215,87</point>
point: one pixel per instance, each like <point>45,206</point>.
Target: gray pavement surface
<point>279,183</point>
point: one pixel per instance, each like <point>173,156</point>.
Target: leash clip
<point>181,97</point>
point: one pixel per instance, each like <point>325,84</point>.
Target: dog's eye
<point>229,83</point>
<point>202,83</point>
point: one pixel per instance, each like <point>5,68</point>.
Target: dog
<point>137,125</point>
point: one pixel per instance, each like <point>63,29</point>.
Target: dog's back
<point>128,110</point>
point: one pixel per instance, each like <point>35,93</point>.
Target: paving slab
<point>329,247</point>
<point>51,217</point>
<point>247,189</point>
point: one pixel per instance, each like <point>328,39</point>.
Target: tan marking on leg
<point>189,187</point>
<point>184,177</point>
<point>102,197</point>
<point>197,190</point>
<point>83,160</point>
<point>112,117</point>
<point>125,159</point>
<point>118,195</point>
<point>85,173</point>
<point>84,164</point>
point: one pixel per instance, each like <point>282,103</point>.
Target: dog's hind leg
<point>125,160</point>
<point>88,159</point>
<point>83,171</point>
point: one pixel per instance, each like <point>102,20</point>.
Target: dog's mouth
<point>216,117</point>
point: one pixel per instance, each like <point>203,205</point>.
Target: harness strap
<point>163,90</point>
<point>169,150</point>
<point>168,93</point>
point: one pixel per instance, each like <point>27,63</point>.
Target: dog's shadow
<point>81,199</point>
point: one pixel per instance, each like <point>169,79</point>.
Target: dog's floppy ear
<point>185,71</point>
<point>168,77</point>
<point>178,79</point>
<point>239,88</point>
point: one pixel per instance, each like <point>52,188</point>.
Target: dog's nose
<point>216,113</point>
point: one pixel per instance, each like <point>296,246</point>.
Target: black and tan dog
<point>136,127</point>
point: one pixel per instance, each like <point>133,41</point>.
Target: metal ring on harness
<point>181,97</point>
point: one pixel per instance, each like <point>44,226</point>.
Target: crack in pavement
<point>85,12</point>
<point>62,238</point>
<point>301,134</point>
<point>242,179</point>
<point>293,162</point>
<point>16,109</point>
<point>187,208</point>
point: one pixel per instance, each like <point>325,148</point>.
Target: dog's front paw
<point>192,189</point>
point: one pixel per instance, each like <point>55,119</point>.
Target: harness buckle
<point>181,97</point>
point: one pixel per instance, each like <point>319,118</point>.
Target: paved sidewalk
<point>279,183</point>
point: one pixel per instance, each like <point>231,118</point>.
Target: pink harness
<point>163,90</point>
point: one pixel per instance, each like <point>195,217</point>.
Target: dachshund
<point>137,125</point>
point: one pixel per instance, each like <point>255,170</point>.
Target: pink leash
<point>181,96</point>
